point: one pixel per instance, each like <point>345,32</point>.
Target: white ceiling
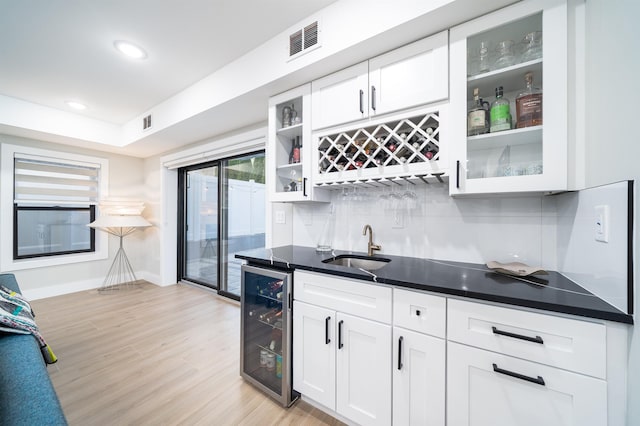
<point>53,51</point>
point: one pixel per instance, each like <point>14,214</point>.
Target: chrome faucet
<point>370,247</point>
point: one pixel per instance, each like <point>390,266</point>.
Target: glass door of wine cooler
<point>266,331</point>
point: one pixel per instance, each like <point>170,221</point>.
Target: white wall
<point>600,267</point>
<point>126,180</point>
<point>613,144</point>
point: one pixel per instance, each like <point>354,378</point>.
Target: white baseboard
<point>152,278</point>
<point>76,286</point>
<point>60,289</point>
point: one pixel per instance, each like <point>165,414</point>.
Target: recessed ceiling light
<point>130,49</point>
<point>76,105</point>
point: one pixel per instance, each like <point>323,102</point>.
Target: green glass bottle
<point>500,113</point>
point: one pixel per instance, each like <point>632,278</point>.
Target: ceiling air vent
<point>295,43</point>
<point>311,35</point>
<point>146,122</point>
<point>303,39</point>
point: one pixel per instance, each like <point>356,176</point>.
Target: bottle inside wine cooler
<point>529,104</point>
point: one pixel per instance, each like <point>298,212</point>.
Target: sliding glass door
<point>200,224</point>
<point>222,212</point>
<point>243,204</point>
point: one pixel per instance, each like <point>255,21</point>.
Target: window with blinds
<point>46,182</point>
<point>54,201</point>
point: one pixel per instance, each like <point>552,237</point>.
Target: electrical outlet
<point>397,222</point>
<point>281,218</point>
<point>602,223</point>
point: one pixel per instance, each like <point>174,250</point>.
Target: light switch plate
<point>602,223</point>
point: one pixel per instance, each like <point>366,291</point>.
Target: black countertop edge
<point>620,316</point>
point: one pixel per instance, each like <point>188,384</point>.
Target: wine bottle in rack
<point>430,150</point>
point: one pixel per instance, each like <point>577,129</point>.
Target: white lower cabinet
<point>314,360</point>
<point>490,389</point>
<point>341,360</point>
<point>363,380</point>
<point>377,356</point>
<point>418,379</point>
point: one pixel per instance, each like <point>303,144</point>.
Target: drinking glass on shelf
<point>479,59</point>
<point>484,60</point>
<point>506,58</point>
<point>532,44</point>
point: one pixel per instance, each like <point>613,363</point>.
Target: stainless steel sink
<point>368,263</point>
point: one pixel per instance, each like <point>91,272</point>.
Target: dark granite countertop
<point>553,292</point>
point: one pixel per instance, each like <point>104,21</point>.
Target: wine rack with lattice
<point>399,148</point>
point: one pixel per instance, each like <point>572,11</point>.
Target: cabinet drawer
<point>343,294</point>
<point>489,389</point>
<point>420,312</point>
<point>561,342</point>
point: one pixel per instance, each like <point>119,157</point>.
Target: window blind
<point>54,182</point>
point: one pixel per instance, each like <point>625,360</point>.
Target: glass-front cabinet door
<point>289,148</point>
<point>505,137</point>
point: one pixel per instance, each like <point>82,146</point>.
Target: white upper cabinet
<point>288,153</point>
<point>499,50</point>
<point>412,75</point>
<point>340,97</point>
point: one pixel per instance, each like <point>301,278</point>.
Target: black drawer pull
<point>458,174</point>
<point>400,352</point>
<point>340,345</point>
<point>536,339</point>
<point>326,331</point>
<point>537,381</point>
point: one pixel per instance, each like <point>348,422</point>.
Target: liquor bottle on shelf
<point>529,104</point>
<point>500,113</point>
<point>477,118</point>
<point>293,147</point>
<point>296,150</point>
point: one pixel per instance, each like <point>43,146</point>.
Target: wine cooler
<point>266,332</point>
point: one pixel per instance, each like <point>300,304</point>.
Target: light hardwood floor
<point>155,356</point>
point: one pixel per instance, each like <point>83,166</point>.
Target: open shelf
<point>510,78</point>
<point>526,135</point>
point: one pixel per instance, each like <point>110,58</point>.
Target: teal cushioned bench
<point>27,396</point>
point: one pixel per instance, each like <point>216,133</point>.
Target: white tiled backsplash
<point>554,232</point>
<point>435,225</point>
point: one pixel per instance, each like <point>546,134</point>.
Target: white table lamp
<point>120,271</point>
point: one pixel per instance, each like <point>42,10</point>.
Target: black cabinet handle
<point>373,98</point>
<point>340,345</point>
<point>458,174</point>
<point>304,187</point>
<point>418,312</point>
<point>536,339</point>
<point>400,352</point>
<point>361,102</point>
<point>538,381</point>
<point>326,331</point>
